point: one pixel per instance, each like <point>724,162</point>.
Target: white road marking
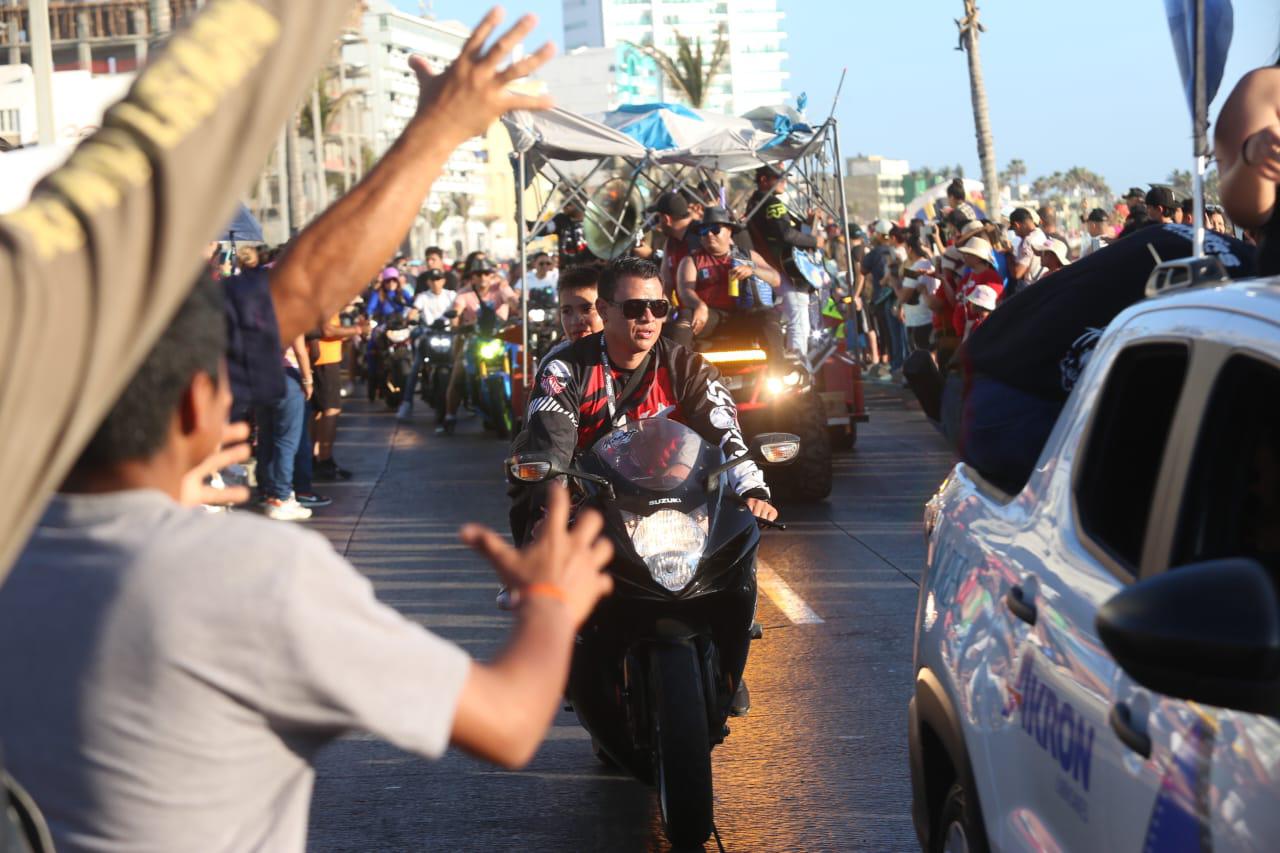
<point>791,604</point>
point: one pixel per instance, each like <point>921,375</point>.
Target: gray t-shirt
<point>166,675</point>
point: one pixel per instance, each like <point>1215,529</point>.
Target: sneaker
<point>447,426</point>
<point>328,471</point>
<point>312,500</point>
<point>288,510</point>
<point>405,412</point>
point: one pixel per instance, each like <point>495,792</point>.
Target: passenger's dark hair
<point>580,275</point>
<point>625,267</point>
<point>434,250</point>
<point>138,423</point>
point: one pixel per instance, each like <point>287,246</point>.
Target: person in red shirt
<point>981,261</point>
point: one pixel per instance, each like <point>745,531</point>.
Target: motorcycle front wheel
<point>499,407</point>
<point>681,746</point>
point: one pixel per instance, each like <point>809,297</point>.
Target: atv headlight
<point>490,349</point>
<point>537,315</point>
<point>670,542</point>
<point>778,384</point>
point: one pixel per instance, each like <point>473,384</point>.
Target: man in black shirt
<point>775,232</point>
<point>1020,365</point>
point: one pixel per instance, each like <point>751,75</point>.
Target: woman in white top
<point>917,281</point>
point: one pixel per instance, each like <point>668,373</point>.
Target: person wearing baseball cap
<point>388,297</point>
<point>672,219</point>
<point>1162,204</point>
<point>1096,236</point>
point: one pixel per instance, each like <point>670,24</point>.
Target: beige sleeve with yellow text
<point>93,267</point>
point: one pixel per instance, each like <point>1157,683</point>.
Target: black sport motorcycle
<point>656,666</point>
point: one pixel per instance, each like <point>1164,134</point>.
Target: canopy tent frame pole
<point>524,272</point>
<point>850,276</point>
<point>818,137</point>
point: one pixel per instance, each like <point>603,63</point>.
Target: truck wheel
<point>682,750</point>
<point>808,478</point>
<point>959,828</point>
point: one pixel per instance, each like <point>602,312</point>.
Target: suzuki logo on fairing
<point>661,501</point>
<point>1057,728</point>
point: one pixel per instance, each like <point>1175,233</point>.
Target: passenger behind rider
<point>713,284</point>
<point>482,286</point>
<point>577,292</point>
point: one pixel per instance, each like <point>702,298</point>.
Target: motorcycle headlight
<point>490,349</point>
<point>537,315</point>
<point>670,542</point>
<point>398,336</point>
<point>440,343</point>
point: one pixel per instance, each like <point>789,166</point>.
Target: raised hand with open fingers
<point>471,94</point>
<point>570,558</point>
<point>233,450</point>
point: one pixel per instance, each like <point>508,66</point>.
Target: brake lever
<point>776,525</point>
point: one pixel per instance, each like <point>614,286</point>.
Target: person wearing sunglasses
<point>630,372</point>
<point>727,291</point>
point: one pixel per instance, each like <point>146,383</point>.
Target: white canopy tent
<point>656,148</point>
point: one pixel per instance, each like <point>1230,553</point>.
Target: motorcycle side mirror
<point>450,314</point>
<point>530,468</point>
<point>775,448</point>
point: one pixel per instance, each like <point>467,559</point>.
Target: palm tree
<point>688,72</point>
<point>969,30</point>
<point>1181,181</point>
<point>1013,173</point>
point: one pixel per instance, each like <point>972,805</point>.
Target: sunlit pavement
<point>820,763</point>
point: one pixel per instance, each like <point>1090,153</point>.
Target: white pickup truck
<point>1097,658</point>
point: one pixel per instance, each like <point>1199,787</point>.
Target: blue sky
<point>1091,83</point>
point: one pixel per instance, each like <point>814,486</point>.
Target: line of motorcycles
<point>490,353</point>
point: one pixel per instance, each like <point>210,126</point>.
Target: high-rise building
<point>597,79</point>
<point>753,74</point>
<point>873,187</point>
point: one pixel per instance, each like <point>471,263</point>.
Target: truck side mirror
<point>1208,632</point>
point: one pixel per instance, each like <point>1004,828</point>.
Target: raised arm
<point>327,261</point>
<point>111,242</point>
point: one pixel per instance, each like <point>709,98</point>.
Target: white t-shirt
<point>431,306</point>
<point>169,674</point>
<point>920,314</point>
<point>547,283</point>
<point>1026,252</point>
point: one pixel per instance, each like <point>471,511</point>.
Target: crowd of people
<point>171,674</point>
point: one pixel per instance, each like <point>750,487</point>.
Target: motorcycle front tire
<point>681,746</point>
<point>499,407</point>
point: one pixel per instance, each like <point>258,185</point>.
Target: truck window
<point>1231,506</point>
<point>1125,448</point>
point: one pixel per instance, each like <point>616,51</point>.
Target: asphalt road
<point>819,764</point>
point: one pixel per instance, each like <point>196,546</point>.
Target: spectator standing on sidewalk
<point>918,282</point>
<point>1026,259</point>
<point>1096,233</point>
<point>326,402</point>
<point>281,434</point>
<point>878,266</point>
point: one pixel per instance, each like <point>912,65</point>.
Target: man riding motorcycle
<point>630,372</point>
<point>482,286</point>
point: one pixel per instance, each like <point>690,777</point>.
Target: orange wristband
<point>546,590</point>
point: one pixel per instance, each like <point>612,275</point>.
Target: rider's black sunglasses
<point>710,229</point>
<point>633,309</point>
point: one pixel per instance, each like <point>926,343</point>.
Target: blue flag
<point>1218,22</point>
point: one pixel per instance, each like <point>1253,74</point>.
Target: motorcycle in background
<point>436,346</point>
<point>656,666</point>
<point>490,359</point>
<point>389,359</point>
<point>544,324</point>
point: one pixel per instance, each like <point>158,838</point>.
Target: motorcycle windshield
<point>657,454</point>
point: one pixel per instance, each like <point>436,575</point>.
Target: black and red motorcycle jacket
<point>569,407</point>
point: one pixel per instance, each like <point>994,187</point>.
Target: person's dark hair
<point>580,275</point>
<point>1139,218</point>
<point>137,425</point>
<point>1189,207</point>
<point>625,267</point>
<point>955,189</point>
<point>537,255</point>
<point>916,246</point>
<point>434,250</point>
